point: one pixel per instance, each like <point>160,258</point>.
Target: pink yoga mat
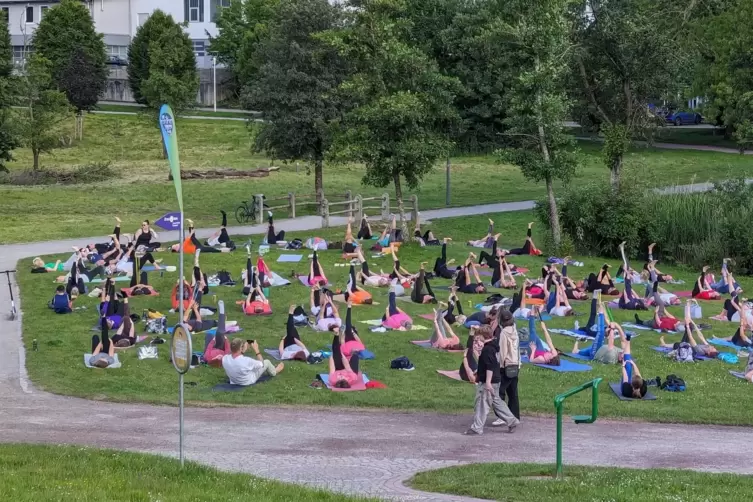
<point>305,280</point>
<point>426,344</point>
<point>454,374</point>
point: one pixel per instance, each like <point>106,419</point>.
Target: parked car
<point>682,118</point>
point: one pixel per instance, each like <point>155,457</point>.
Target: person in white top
<point>243,370</point>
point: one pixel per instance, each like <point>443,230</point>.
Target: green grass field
<point>57,365</point>
<point>533,482</point>
<point>70,473</point>
<point>142,189</point>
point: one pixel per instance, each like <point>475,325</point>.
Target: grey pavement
<point>350,451</point>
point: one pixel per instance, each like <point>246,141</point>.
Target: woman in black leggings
<point>528,247</point>
<point>463,281</point>
<point>365,231</point>
<point>440,265</point>
<point>193,319</point>
<point>417,294</point>
<point>144,236</point>
<point>273,237</point>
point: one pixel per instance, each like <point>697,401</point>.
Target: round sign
<point>180,348</point>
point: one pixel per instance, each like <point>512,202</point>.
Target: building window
<point>19,54</point>
<point>216,8</point>
<point>199,48</point>
<point>29,14</point>
<point>120,51</point>
<point>193,11</point>
<point>42,11</point>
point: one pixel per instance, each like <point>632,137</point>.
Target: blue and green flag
<point>170,137</point>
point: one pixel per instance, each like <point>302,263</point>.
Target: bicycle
<point>244,212</point>
<point>13,311</point>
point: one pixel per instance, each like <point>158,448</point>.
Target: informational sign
<point>180,348</point>
<point>170,221</point>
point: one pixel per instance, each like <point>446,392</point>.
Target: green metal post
<point>559,439</point>
<point>579,419</point>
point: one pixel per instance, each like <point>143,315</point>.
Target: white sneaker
<point>498,423</point>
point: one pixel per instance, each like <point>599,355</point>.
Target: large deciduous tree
<point>538,40</point>
<point>296,84</point>
<point>8,140</point>
<point>66,37</point>
<point>401,103</point>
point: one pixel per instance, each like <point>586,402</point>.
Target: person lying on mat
<point>114,242</point>
<point>199,283</point>
<point>538,352</point>
<point>633,385</point>
<point>353,292</point>
<point>243,370</point>
<point>493,256</point>
<point>255,303</point>
<point>463,280</point>
<point>481,317</point>
<point>103,350</point>
<point>125,336</point>
<point>316,272</point>
<point>599,351</point>
<point>422,292</point>
<point>650,271</point>
<point>699,349</point>
<point>702,290</point>
<point>146,237</point>
<point>441,265</point>
<point>110,308</point>
<point>396,234</point>
<point>364,232</point>
<point>629,300</point>
<point>395,318</point>
<point>486,242</point>
<point>443,337</point>
<point>250,277</point>
<point>350,246</point>
<point>473,347</point>
<point>367,277</point>
<point>453,302</point>
<point>343,372</point>
<point>192,318</point>
<point>733,308</point>
<point>727,284</point>
<point>427,239</point>
<point>291,346</point>
<point>573,291</point>
<point>398,272</point>
<point>602,282</point>
<point>740,339</point>
<point>188,246</point>
<point>40,267</point>
<point>528,247</point>
<point>328,316</point>
<point>273,237</point>
<point>217,346</point>
<point>139,285</point>
<point>557,303</point>
<point>663,319</point>
<point>221,239</point>
<point>518,307</point>
<point>351,342</point>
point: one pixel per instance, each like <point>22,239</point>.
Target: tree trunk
<point>400,208</point>
<point>615,170</point>
<point>318,181</point>
<point>554,215</point>
<point>35,155</point>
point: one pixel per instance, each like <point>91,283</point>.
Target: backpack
<point>225,278</point>
<point>295,244</point>
<point>157,326</point>
<point>684,353</point>
<point>727,357</point>
<point>402,363</point>
<point>673,383</point>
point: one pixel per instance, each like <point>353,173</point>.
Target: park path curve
<point>364,452</point>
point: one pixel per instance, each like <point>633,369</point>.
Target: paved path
<point>360,452</point>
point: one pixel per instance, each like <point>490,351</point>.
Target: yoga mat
<point>579,357</point>
<point>616,388</point>
<point>697,357</point>
<point>724,343</point>
<point>564,367</point>
<point>324,377</point>
<point>372,322</point>
<point>305,281</point>
<point>426,344</point>
<point>229,387</point>
<point>120,278</point>
<point>139,339</point>
<point>152,268</point>
<point>363,355</point>
<point>738,374</point>
<point>572,333</point>
<point>289,258</point>
<point>275,281</point>
<point>273,353</point>
<point>113,366</point>
<point>210,331</point>
<point>454,374</point>
<point>639,326</point>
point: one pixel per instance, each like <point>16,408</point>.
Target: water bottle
<point>34,345</point>
<point>577,326</point>
<point>143,315</point>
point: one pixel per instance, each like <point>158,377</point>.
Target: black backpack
<point>225,278</point>
<point>401,363</point>
<point>295,244</point>
<point>673,383</point>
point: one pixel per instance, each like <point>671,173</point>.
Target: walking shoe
<point>511,428</point>
<point>471,432</point>
<point>498,423</point>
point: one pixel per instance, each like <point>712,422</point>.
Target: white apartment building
<point>118,21</point>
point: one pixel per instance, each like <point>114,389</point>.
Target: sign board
<point>170,221</point>
<point>180,348</point>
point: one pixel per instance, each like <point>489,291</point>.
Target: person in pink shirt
<point>343,372</point>
<point>352,344</point>
<point>395,318</point>
<point>217,346</point>
<point>443,337</point>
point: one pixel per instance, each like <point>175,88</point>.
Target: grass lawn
<point>143,191</point>
<point>57,365</point>
<point>528,482</point>
<point>679,135</point>
<point>70,473</point>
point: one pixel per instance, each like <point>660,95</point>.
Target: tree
<point>66,37</point>
<point>627,54</point>
<point>8,140</point>
<point>242,27</point>
<point>539,36</point>
<point>162,66</point>
<point>43,108</point>
<point>401,104</point>
<point>296,83</point>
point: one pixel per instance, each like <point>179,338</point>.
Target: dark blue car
<point>683,118</point>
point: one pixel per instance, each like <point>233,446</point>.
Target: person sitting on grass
<point>538,352</point>
<point>633,385</point>
<point>395,318</point>
<point>217,346</point>
<point>488,379</point>
<point>369,278</point>
<point>528,248</point>
<point>443,337</point>
<point>243,370</point>
<point>61,303</point>
<point>702,290</point>
<point>428,238</point>
<point>417,294</point>
<point>291,346</point>
<point>486,242</point>
<point>143,237</point>
<point>343,372</point>
<point>103,350</point>
<point>473,348</point>
<point>316,272</point>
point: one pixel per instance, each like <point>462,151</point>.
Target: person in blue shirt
<point>61,303</point>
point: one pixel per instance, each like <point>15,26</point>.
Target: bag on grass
<point>673,383</point>
<point>225,278</point>
<point>402,363</point>
<point>684,353</point>
<point>157,326</point>
<point>727,357</point>
<point>295,244</point>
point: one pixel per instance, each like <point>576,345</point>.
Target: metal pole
<point>180,320</point>
<point>447,183</point>
<point>214,82</point>
<point>558,473</point>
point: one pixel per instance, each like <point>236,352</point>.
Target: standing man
<point>509,361</point>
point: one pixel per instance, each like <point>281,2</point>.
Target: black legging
<point>352,287</point>
<point>105,340</point>
<point>364,232</point>
<point>591,316</point>
<point>738,340</point>
<point>517,300</point>
<point>272,238</point>
<point>203,325</point>
<point>490,258</point>
<point>144,281</point>
<point>74,281</point>
<point>395,269</point>
<point>201,247</point>
<point>440,265</point>
<point>526,249</point>
<point>449,315</point>
<point>631,303</point>
<point>250,278</point>
<point>417,294</point>
<point>337,355</point>
<point>291,334</point>
<point>315,269</point>
<point>392,305</point>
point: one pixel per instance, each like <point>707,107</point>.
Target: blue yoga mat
<point>211,331</point>
<point>617,389</point>
<point>667,350</point>
<point>738,374</point>
<point>229,387</point>
<point>572,333</point>
<point>579,357</point>
<point>564,367</point>
<point>289,258</point>
<point>120,278</point>
<point>724,343</point>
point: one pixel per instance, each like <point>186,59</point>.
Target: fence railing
<point>579,419</point>
<point>290,203</point>
<point>356,209</point>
